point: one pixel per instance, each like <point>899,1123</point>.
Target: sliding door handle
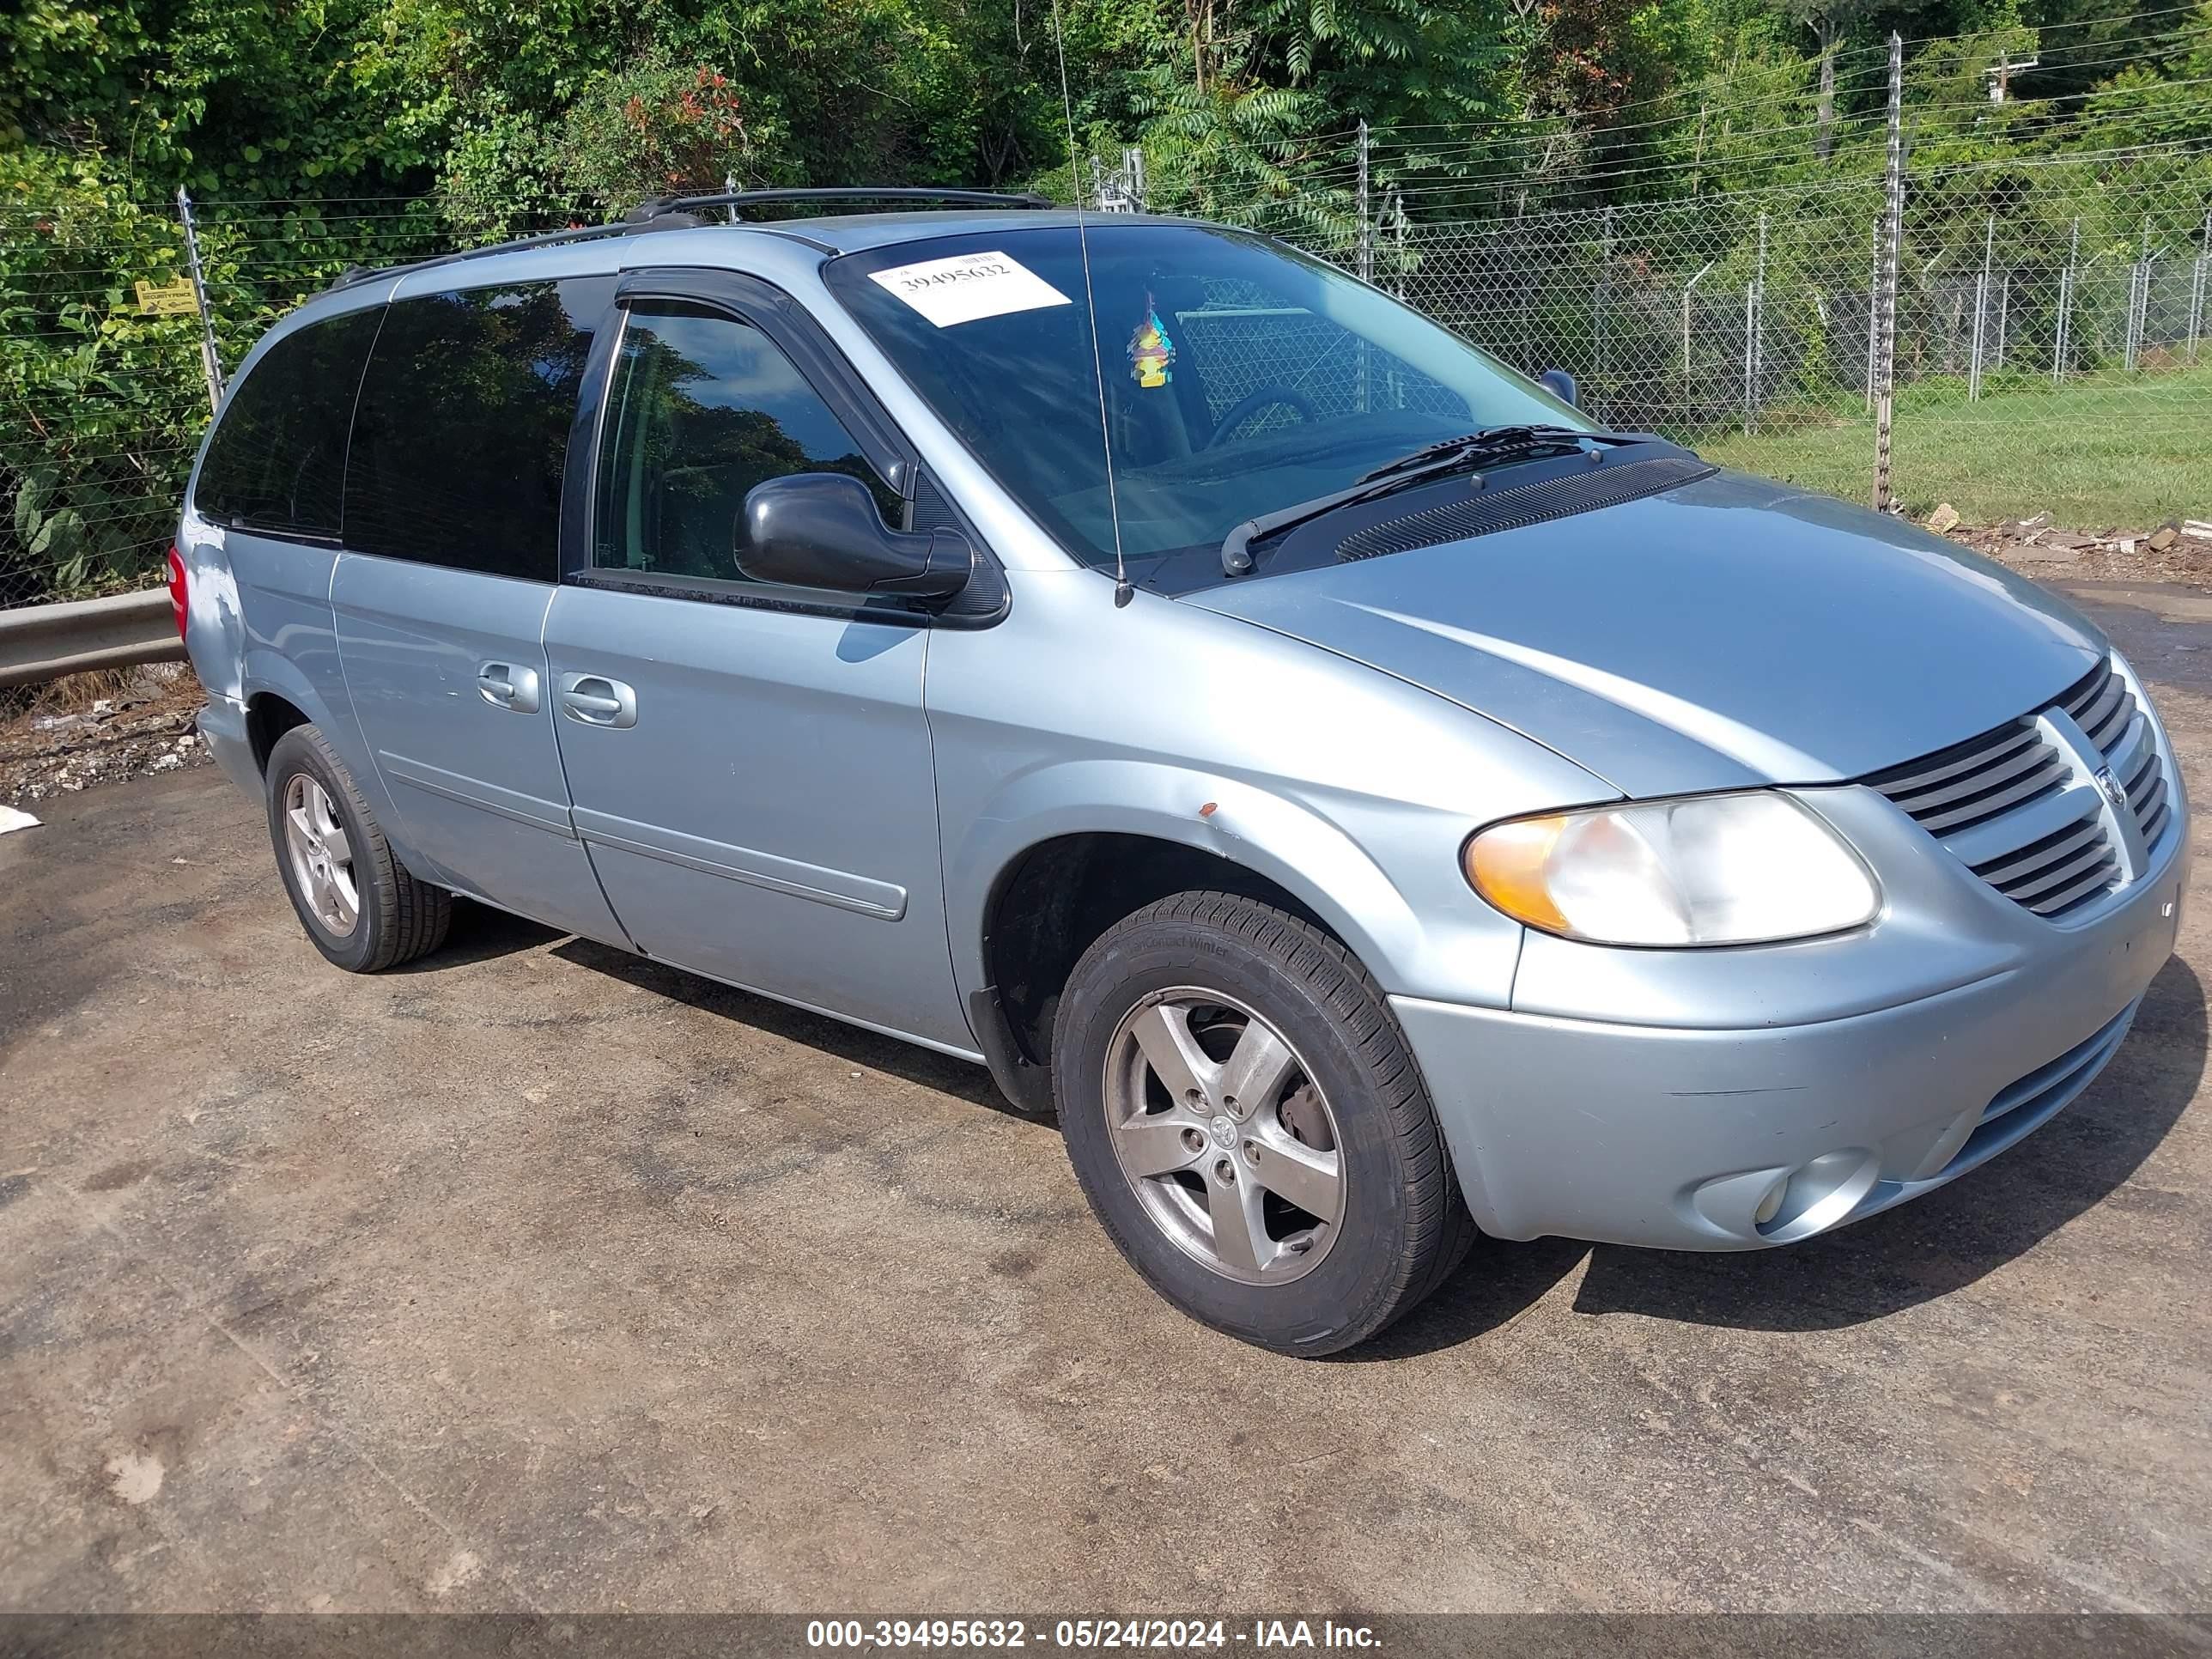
<point>505,686</point>
<point>595,700</point>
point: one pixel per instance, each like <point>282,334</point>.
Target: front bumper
<point>1680,1138</point>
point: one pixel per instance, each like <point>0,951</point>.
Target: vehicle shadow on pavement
<point>850,1043</point>
<point>1914,1254</point>
<point>1498,1284</point>
<point>480,934</point>
<point>1952,1236</point>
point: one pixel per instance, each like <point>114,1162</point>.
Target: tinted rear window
<point>463,427</point>
<point>278,459</point>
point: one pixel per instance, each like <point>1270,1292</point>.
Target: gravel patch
<point>66,741</point>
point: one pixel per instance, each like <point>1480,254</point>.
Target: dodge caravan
<point>1366,801</point>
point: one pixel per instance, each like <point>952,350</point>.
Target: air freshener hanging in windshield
<point>1152,354</point>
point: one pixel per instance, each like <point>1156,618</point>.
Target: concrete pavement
<point>540,1277</point>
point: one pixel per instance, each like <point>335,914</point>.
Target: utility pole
<point>2000,76</point>
<point>1874,313</point>
<point>1754,335</point>
<point>210,360</point>
<point>1981,310</point>
<point>1689,288</point>
<point>1365,391</point>
<point>1366,225</point>
<point>2138,302</point>
<point>1892,228</point>
<point>1824,111</point>
<point>1599,298</point>
<point>2065,306</point>
<point>2196,282</point>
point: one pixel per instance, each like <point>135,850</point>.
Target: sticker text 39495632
<point>969,286</point>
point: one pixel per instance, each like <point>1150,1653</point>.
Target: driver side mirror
<point>1560,385</point>
<point>822,529</point>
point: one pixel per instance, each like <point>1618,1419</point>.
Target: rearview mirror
<point>822,529</point>
<point>1560,385</point>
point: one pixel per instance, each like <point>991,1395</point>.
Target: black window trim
<point>793,331</point>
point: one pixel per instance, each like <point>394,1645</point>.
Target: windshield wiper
<point>1500,439</point>
<point>1435,460</point>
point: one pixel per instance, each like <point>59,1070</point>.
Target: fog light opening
<point>1815,1196</point>
<point>1771,1205</point>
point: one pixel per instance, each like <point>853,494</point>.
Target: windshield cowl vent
<point>1494,510</point>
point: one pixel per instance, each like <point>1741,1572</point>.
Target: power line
<point>1560,196</point>
<point>1599,122</point>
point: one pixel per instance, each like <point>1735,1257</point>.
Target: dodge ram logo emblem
<point>2115,791</point>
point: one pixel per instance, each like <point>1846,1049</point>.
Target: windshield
<point>1240,377</point>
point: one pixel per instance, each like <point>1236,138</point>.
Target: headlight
<point>1710,870</point>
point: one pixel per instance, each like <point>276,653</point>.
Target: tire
<point>1353,1103</point>
<point>395,917</point>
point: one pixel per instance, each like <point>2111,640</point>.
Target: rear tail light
<point>180,593</point>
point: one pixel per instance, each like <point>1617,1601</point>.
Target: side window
<point>702,408</point>
<point>278,459</point>
<point>463,427</point>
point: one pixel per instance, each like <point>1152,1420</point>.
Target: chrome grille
<point>2104,707</point>
<point>2015,807</point>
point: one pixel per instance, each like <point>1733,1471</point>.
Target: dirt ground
<point>539,1277</point>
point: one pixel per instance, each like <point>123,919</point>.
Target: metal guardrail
<point>44,641</point>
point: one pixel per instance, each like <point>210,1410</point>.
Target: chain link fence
<point>104,386</point>
<point>2040,328</point>
<point>102,396</point>
<point>2052,337</point>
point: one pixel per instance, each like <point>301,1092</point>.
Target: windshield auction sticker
<point>969,287</point>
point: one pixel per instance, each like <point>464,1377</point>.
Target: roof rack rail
<point>353,274</point>
<point>657,206</point>
<point>650,213</point>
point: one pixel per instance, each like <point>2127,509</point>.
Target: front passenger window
<point>702,408</point>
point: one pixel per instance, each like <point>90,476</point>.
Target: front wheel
<point>1248,1123</point>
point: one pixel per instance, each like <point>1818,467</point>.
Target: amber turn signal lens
<point>1506,865</point>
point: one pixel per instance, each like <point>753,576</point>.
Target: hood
<point>1728,632</point>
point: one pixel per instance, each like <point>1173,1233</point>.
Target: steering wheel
<point>1252,402</point>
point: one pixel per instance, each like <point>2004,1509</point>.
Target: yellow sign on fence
<point>173,301</point>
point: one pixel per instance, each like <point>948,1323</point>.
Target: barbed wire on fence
<point>2042,296</point>
<point>2038,294</point>
<point>103,385</point>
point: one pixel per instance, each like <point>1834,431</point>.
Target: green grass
<point>2108,451</point>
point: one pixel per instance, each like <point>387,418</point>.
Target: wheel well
<point>1048,906</point>
<point>268,717</point>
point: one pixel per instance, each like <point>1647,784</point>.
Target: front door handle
<point>505,686</point>
<point>595,700</point>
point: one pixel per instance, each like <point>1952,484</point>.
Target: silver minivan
<point>1365,800</point>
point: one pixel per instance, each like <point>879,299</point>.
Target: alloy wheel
<point>1229,1143</point>
<point>321,856</point>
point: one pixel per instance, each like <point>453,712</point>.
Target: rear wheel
<point>1249,1126</point>
<point>360,907</point>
